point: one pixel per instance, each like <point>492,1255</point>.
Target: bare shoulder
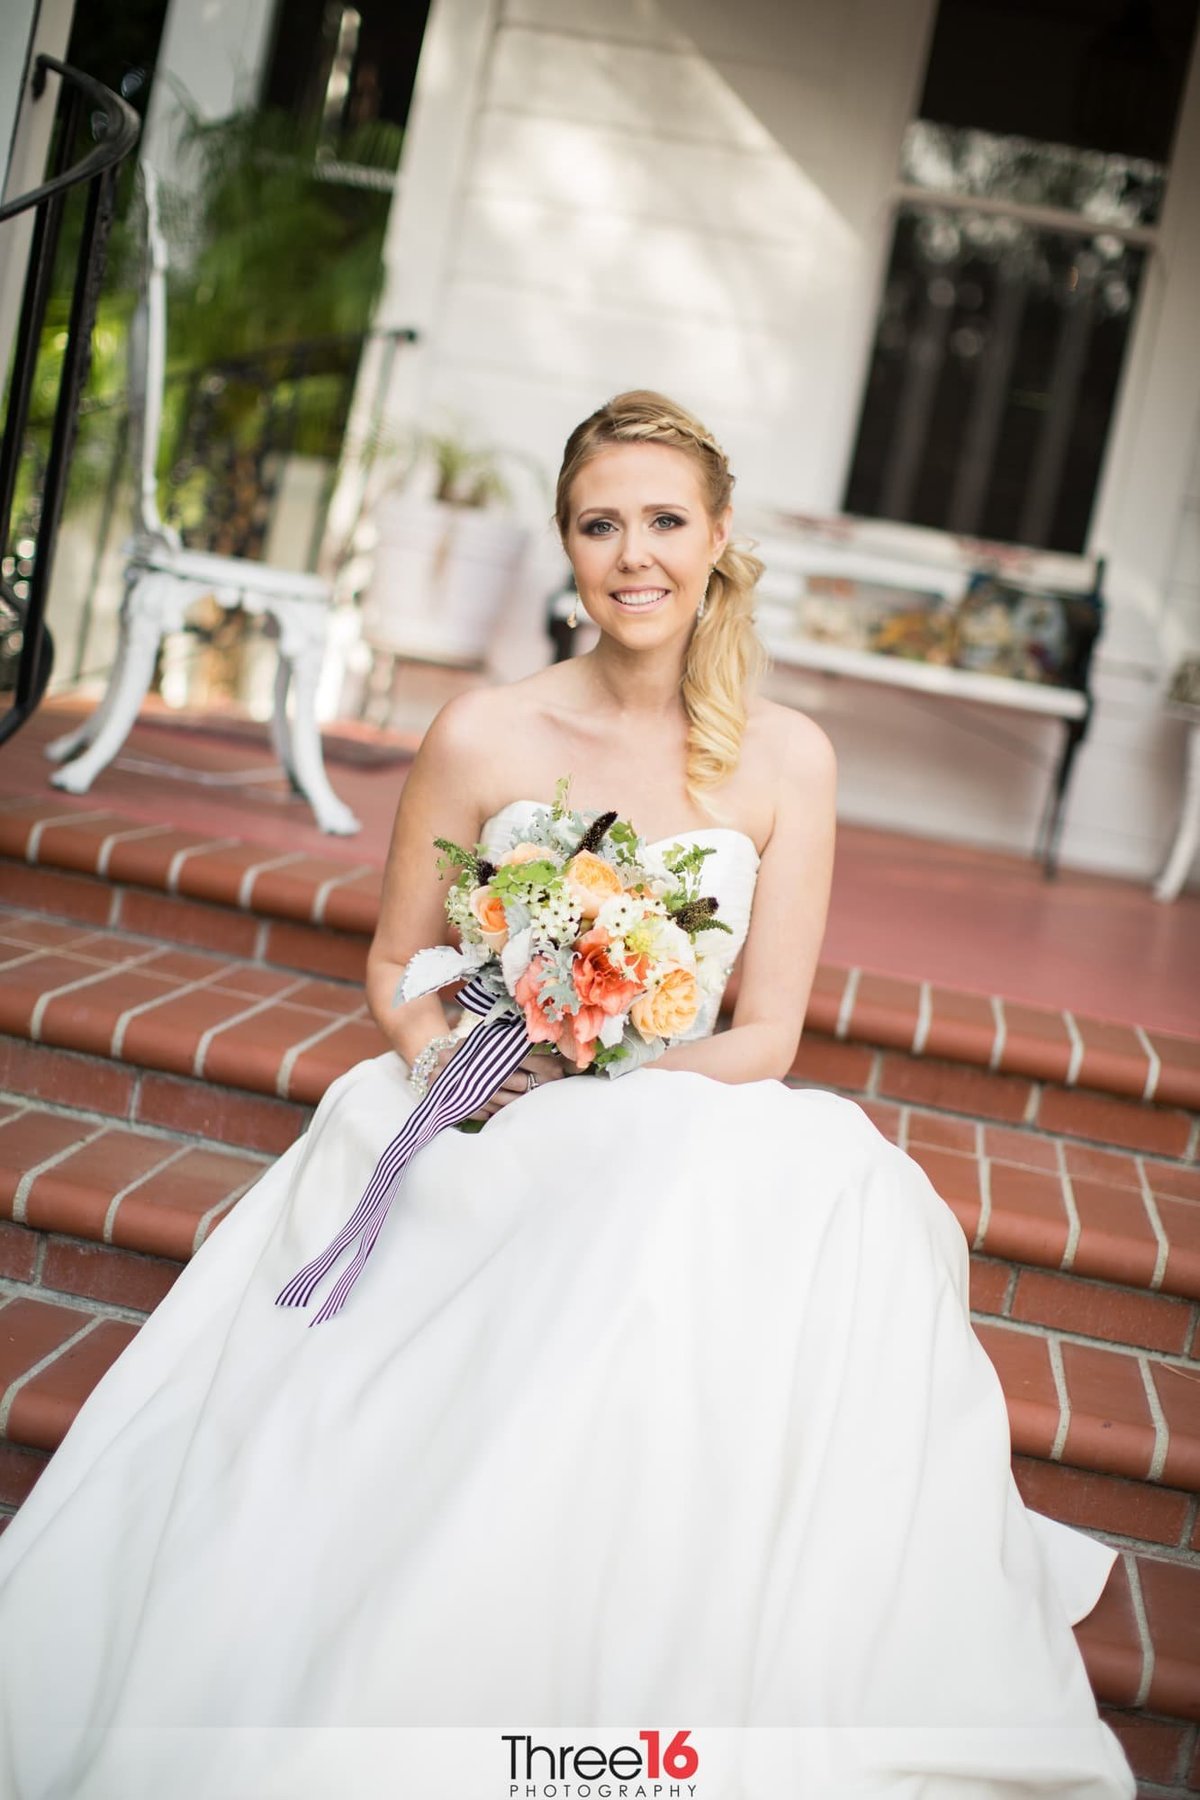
<point>469,722</point>
<point>790,743</point>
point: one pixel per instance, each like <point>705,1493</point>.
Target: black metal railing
<point>115,127</point>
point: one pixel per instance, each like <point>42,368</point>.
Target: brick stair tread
<point>1078,1209</point>
<point>68,1349</point>
<point>105,1182</point>
<point>923,1019</point>
<point>1114,1411</point>
<point>192,1013</point>
<point>153,1192</point>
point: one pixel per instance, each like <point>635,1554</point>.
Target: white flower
<point>613,1029</point>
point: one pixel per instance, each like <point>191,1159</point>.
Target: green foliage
<point>624,840</point>
<point>264,249</point>
<point>454,857</point>
<point>521,881</point>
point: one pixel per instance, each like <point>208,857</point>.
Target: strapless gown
<point>657,1409</point>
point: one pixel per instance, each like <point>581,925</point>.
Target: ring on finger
<point>531,1081</point>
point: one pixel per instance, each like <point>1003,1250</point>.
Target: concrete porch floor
<point>981,921</point>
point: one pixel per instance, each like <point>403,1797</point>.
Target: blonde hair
<point>724,656</point>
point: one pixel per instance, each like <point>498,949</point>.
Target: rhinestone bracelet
<point>421,1070</point>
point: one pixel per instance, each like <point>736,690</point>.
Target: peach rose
<point>542,1030</point>
<point>590,882</point>
<point>670,1007</point>
<point>488,908</point>
<point>600,983</point>
<point>523,853</point>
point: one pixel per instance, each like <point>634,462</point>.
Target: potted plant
<point>445,554</point>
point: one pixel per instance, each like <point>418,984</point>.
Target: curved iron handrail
<point>118,138</point>
<point>97,170</point>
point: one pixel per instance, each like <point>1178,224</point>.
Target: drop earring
<point>573,615</point>
<point>703,606</point>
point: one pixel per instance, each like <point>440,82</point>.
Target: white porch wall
<point>690,196</point>
<point>686,196</point>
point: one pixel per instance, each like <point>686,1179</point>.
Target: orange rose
<point>600,983</point>
<point>670,1008</point>
<point>522,853</point>
<point>590,882</point>
<point>542,1030</point>
<point>489,911</point>
<point>582,1031</point>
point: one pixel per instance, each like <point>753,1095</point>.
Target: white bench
<point>906,558</point>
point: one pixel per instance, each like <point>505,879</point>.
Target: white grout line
<point>262,937</point>
<point>283,1079</point>
<point>125,837</point>
<point>997,1052</point>
<point>846,1009</point>
<point>43,1362</point>
<point>21,1197</point>
<point>246,885</point>
<point>1168,1359</point>
<point>181,856</point>
<point>1143,1626</point>
<point>110,1217</point>
<point>208,1219</point>
<point>1162,1435</point>
<point>116,1045</point>
<point>317,916</point>
<point>82,981</point>
<point>1162,1242</point>
<point>69,947</point>
<point>985,1202</point>
<point>248,1012</point>
<point>1154,1064</point>
<point>1076,1058</point>
<point>1064,1399</point>
<point>924,1019</point>
<point>1067,1261</point>
<point>34,843</point>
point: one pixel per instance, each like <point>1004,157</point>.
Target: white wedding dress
<point>657,1407</point>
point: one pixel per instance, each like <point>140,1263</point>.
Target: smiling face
<point>641,541</point>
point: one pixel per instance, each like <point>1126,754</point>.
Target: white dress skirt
<point>657,1409</point>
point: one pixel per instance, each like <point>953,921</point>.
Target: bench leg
<point>1187,832</point>
<point>308,765</point>
<point>1051,826</point>
<point>281,727</point>
<point>153,605</point>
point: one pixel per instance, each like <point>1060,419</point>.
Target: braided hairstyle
<point>724,654</point>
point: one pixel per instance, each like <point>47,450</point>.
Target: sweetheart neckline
<point>655,843</point>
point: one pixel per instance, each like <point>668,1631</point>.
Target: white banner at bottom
<point>674,1762</point>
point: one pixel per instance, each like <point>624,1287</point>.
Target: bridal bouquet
<point>598,942</point>
<point>580,936</point>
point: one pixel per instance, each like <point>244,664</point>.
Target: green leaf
<point>454,856</point>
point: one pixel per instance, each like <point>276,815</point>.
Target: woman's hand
<point>542,1067</point>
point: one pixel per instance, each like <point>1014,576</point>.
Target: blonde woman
<point>658,1407</point>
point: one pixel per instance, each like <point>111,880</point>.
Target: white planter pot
<point>441,575</point>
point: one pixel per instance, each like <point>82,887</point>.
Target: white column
<point>215,53</point>
<point>1144,487</point>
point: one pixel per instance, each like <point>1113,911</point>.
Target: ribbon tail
<point>483,1061</point>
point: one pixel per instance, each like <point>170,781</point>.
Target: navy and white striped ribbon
<point>483,1061</point>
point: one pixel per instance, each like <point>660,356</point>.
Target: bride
<point>653,1452</point>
